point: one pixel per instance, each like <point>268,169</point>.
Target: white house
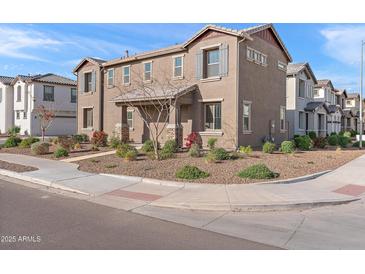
<point>6,104</point>
<point>52,91</point>
<point>303,113</point>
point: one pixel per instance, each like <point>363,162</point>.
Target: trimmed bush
<point>191,173</point>
<point>114,142</point>
<point>148,146</point>
<point>320,142</point>
<point>14,130</point>
<point>80,138</point>
<point>99,138</point>
<point>334,133</point>
<point>343,141</point>
<point>77,146</point>
<point>131,155</point>
<point>287,147</point>
<point>333,140</point>
<point>26,143</point>
<point>170,146</point>
<point>123,149</point>
<point>353,133</point>
<point>65,142</point>
<point>210,157</point>
<point>347,134</point>
<point>194,151</point>
<point>211,143</point>
<point>312,135</point>
<point>246,150</point>
<point>268,147</point>
<point>40,148</point>
<point>303,142</point>
<point>221,154</point>
<point>259,171</point>
<point>60,152</point>
<point>12,141</point>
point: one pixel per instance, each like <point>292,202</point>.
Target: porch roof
<point>138,95</point>
<point>334,108</point>
<point>348,113</point>
<point>312,106</point>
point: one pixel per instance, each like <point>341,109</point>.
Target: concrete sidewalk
<point>343,185</point>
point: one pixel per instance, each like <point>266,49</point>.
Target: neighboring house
<point>352,103</point>
<point>236,88</point>
<point>55,93</point>
<point>303,113</point>
<point>325,93</point>
<point>6,104</point>
<point>341,96</point>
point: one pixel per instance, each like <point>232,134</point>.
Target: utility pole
<point>361,86</point>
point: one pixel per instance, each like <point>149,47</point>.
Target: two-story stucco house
<point>235,88</point>
<point>6,104</point>
<point>54,92</point>
<point>352,111</point>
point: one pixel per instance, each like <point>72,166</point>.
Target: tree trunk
<point>43,134</point>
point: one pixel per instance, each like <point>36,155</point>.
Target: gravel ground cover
<point>15,167</point>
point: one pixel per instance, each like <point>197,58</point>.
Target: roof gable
<point>6,80</point>
<point>297,68</point>
<point>95,61</point>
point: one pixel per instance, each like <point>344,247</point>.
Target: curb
<point>45,183</point>
<point>298,179</point>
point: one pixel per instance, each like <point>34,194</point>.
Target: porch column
<point>174,126</point>
<point>124,125</point>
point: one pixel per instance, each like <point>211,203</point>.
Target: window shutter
<point>199,65</point>
<point>93,81</point>
<point>223,60</point>
<point>82,82</point>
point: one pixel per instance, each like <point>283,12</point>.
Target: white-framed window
<point>48,93</point>
<point>178,66</point>
<point>316,93</point>
<point>73,95</point>
<point>211,62</point>
<point>110,77</point>
<point>256,56</point>
<point>301,120</point>
<point>212,116</point>
<point>130,118</point>
<point>147,75</point>
<point>246,116</point>
<point>301,88</point>
<point>282,66</point>
<point>19,94</point>
<point>1,95</point>
<point>18,115</point>
<point>25,115</point>
<point>282,118</point>
<point>88,118</point>
<point>126,75</point>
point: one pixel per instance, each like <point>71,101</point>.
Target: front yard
<point>287,165</point>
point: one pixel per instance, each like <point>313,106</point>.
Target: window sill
<point>147,81</point>
<point>87,129</point>
<point>211,79</point>
<point>178,78</point>
<point>211,133</point>
<point>247,132</point>
<point>88,93</point>
<point>126,84</point>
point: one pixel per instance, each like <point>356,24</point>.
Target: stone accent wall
<point>125,133</point>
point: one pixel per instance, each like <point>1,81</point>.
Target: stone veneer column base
<point>124,133</point>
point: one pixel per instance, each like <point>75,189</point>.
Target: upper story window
<point>88,81</point>
<point>301,88</point>
<point>1,95</point>
<point>18,115</point>
<point>349,103</point>
<point>48,93</point>
<point>256,56</point>
<point>73,95</point>
<point>178,66</point>
<point>282,66</point>
<point>110,77</point>
<point>126,75</point>
<point>19,94</point>
<point>211,63</point>
<point>147,76</point>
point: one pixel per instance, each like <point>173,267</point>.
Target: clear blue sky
<point>333,50</point>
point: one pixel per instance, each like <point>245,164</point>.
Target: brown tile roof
<point>54,79</point>
<point>6,80</point>
<point>353,95</point>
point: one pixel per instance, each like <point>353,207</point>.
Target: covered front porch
<point>316,118</point>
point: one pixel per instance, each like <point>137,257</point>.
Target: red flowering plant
<point>99,138</point>
<point>192,138</point>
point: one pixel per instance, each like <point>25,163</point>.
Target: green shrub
<point>194,151</point>
<point>303,142</point>
<point>131,155</point>
<point>26,143</point>
<point>287,147</point>
<point>221,154</point>
<point>111,166</point>
<point>40,148</point>
<point>148,146</point>
<point>334,133</point>
<point>343,141</point>
<point>259,171</point>
<point>347,134</point>
<point>191,173</point>
<point>268,147</point>
<point>312,135</point>
<point>210,157</point>
<point>123,149</point>
<point>14,130</point>
<point>246,150</point>
<point>320,142</point>
<point>353,133</point>
<point>12,141</point>
<point>166,154</point>
<point>80,138</point>
<point>61,152</point>
<point>114,141</point>
<point>211,143</point>
<point>333,140</point>
<point>170,146</point>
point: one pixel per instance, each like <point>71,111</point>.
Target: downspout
<point>237,91</point>
<point>101,106</point>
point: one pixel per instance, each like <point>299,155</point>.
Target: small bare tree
<point>46,118</point>
<point>154,101</point>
